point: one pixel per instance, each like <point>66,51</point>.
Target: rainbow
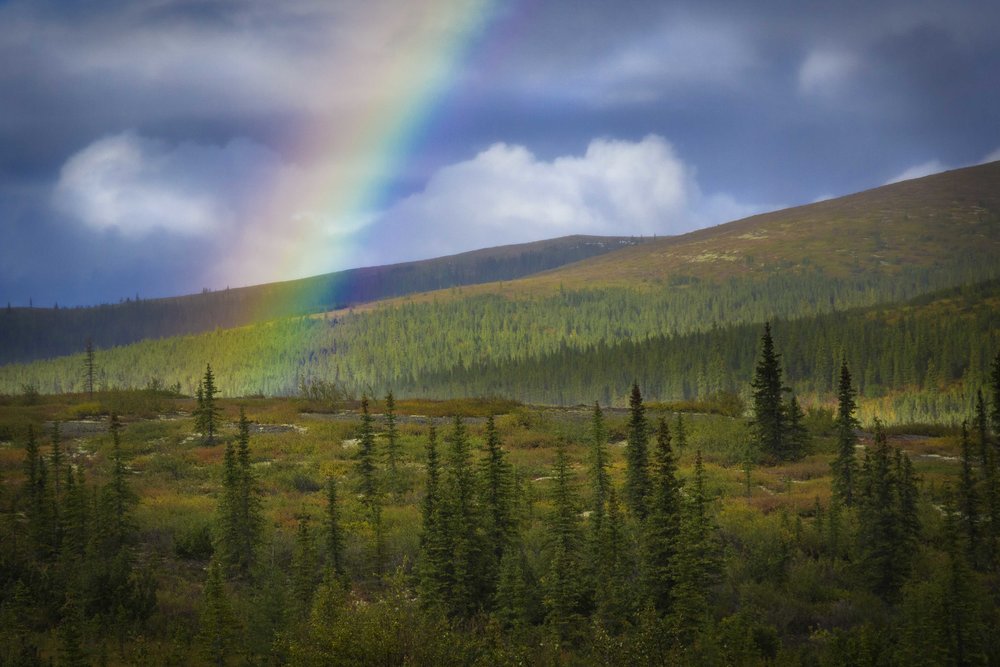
<point>416,53</point>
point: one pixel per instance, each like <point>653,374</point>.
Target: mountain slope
<point>945,222</point>
<point>923,359</point>
<point>35,333</point>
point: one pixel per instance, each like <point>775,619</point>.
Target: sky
<point>158,147</point>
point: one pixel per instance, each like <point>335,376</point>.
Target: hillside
<point>38,333</point>
<point>946,222</point>
<point>918,360</point>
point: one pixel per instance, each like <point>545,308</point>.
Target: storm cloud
<point>142,143</point>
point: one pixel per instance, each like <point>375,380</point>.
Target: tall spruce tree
<point>885,558</point>
<point>459,517</point>
<point>969,496</point>
<point>662,527</point>
<point>240,517</point>
<point>637,456</point>
<point>496,501</point>
<point>845,465</point>
<point>512,600</point>
<point>908,496</point>
<point>392,447</point>
<point>562,583</point>
<point>680,433</point>
<point>209,410</point>
<point>251,517</point>
<point>303,567</point>
<point>117,496</point>
<point>368,484</point>
<point>367,470</point>
<point>614,595</point>
<point>217,626</point>
<point>600,480</point>
<point>696,564</point>
<point>229,512</point>
<point>433,560</point>
<point>964,630</point>
<point>769,415</point>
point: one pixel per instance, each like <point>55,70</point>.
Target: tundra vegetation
<point>390,530</point>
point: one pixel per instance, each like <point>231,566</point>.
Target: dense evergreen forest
<point>917,360</point>
<point>252,533</point>
<point>39,333</point>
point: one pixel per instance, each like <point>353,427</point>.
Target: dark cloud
<point>761,102</point>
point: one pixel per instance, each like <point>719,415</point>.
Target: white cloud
<point>825,71</point>
<point>507,195</point>
<point>138,185</point>
<point>918,171</point>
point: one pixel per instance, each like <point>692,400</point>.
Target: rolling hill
<point>36,333</point>
<point>948,222</point>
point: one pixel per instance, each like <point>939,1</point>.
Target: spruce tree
<point>36,491</point>
<point>433,563</point>
<point>251,520</point>
<point>963,629</point>
<point>209,411</point>
<point>844,465</point>
<point>969,496</point>
<point>797,440</point>
<point>367,472</point>
<point>696,564</point>
<point>601,486</point>
<point>662,527</point>
<point>217,620</point>
<point>562,592</point>
<point>117,495</point>
<point>71,653</point>
<point>512,598</point>
<point>614,595</point>
<point>240,520</point>
<point>908,496</point>
<point>495,497</point>
<point>459,517</point>
<point>368,484</point>
<point>885,559</point>
<point>334,532</point>
<point>680,433</point>
<point>303,567</point>
<point>392,448</point>
<point>74,517</point>
<point>600,480</point>
<point>636,456</point>
<point>769,416</point>
<point>230,512</point>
